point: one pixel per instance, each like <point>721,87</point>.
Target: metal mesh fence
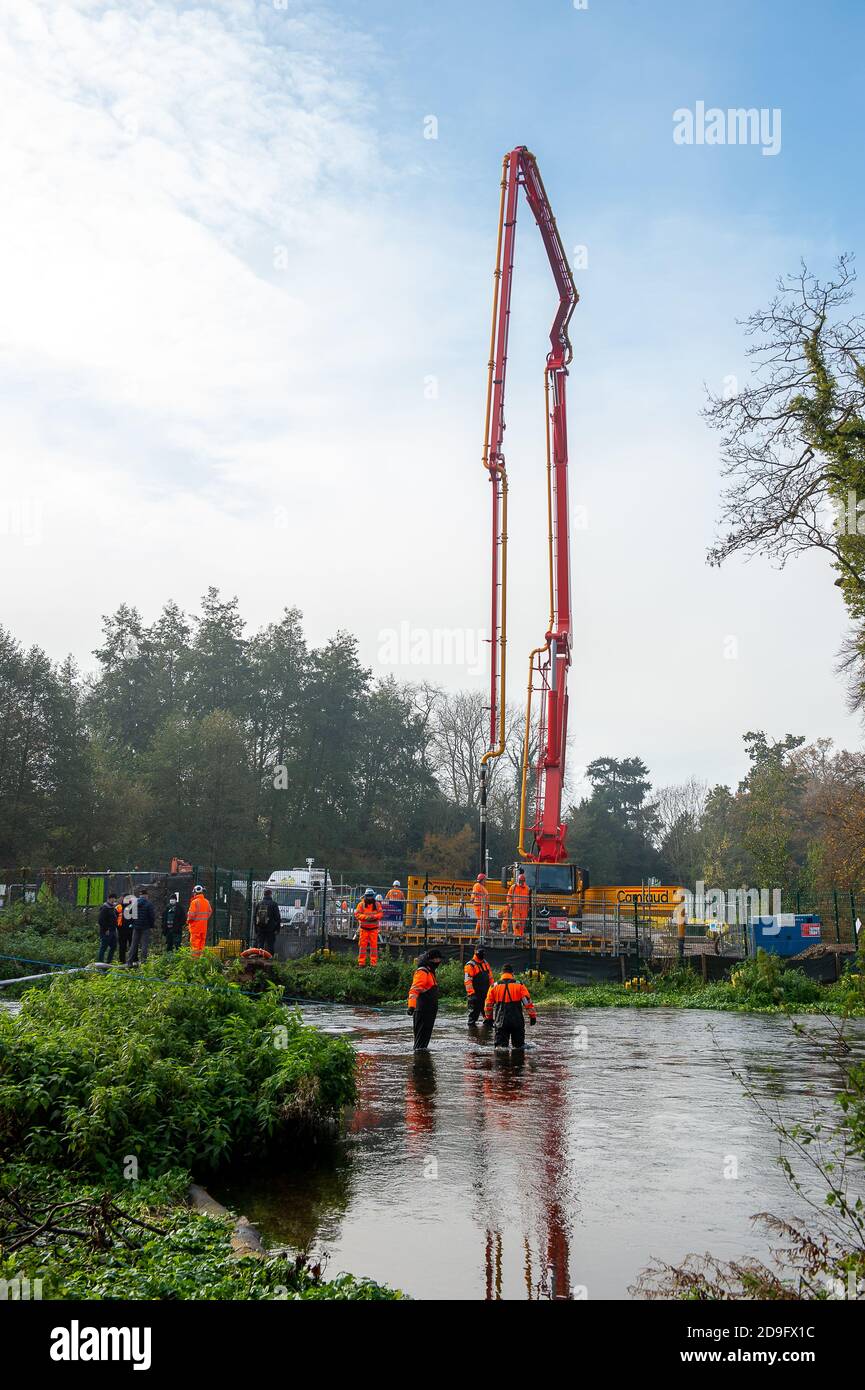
<point>324,906</point>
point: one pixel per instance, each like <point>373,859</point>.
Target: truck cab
<point>564,879</point>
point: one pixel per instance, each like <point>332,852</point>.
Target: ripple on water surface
<point>466,1174</point>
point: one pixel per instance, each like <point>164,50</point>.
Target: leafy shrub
<point>851,988</point>
<point>46,917</point>
<point>338,978</point>
<point>764,980</point>
<point>42,931</point>
<point>675,978</point>
<point>19,950</point>
<point>169,1063</point>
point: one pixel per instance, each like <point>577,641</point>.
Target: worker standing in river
<point>423,998</point>
<point>504,1006</point>
<point>481,905</point>
<point>478,978</point>
<point>518,905</point>
<point>369,914</point>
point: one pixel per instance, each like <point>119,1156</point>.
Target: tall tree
<point>613,831</point>
<point>217,675</point>
<point>793,440</point>
<point>771,793</point>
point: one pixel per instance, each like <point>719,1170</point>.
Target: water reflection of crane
<point>420,1096</point>
<point>497,1094</point>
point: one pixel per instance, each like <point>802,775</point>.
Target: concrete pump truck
<point>561,898</point>
<point>557,885</point>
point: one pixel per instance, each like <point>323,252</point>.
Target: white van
<point>307,877</point>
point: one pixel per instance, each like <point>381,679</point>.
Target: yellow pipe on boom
<point>497,752</point>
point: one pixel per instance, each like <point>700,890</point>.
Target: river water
<point>467,1174</point>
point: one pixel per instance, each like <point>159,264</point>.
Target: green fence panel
<point>90,891</point>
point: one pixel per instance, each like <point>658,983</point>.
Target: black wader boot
<point>424,1017</point>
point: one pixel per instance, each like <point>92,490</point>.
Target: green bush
<point>44,931</point>
<point>675,978</point>
<point>47,917</point>
<point>21,952</point>
<point>339,979</point>
<point>765,980</point>
<point>169,1064</point>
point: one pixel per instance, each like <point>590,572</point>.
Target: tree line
<point>192,738</point>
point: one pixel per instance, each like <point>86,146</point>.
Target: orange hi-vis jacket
<point>368,915</point>
<point>518,902</point>
<point>481,902</point>
<point>475,968</point>
<point>508,991</point>
<point>394,895</point>
<point>424,979</point>
<point>199,912</point>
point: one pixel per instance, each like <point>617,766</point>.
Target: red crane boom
<point>548,664</point>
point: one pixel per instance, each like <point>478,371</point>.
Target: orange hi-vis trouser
<point>481,909</point>
<point>198,936</point>
<point>518,904</point>
<point>367,945</point>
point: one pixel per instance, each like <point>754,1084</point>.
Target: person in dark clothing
<point>504,1006</point>
<point>423,998</point>
<point>145,918</point>
<point>107,921</point>
<point>478,977</point>
<point>267,922</point>
<point>173,919</point>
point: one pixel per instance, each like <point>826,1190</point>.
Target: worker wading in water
<point>518,905</point>
<point>504,1007</point>
<point>368,913</point>
<point>197,917</point>
<point>423,998</point>
<point>478,978</point>
<point>481,905</point>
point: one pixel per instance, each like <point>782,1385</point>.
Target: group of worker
<point>125,924</point>
<point>504,1003</point>
<point>373,907</point>
<point>517,905</point>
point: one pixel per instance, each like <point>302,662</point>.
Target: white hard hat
<point>396,883</point>
<point>378,897</point>
<point>199,888</point>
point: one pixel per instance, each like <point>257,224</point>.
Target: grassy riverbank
<point>47,931</point>
<point>115,1090</point>
<point>764,985</point>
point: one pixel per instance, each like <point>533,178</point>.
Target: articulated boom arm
<point>548,665</point>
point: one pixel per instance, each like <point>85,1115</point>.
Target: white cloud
<point>171,394</point>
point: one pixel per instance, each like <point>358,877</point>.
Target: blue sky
<point>231,265</point>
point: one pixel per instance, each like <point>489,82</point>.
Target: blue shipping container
<point>784,934</point>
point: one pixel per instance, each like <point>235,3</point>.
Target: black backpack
<point>262,915</point>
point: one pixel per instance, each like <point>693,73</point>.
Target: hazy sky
<point>245,319</point>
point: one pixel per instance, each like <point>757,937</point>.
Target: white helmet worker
<point>199,888</point>
<point>396,883</point>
